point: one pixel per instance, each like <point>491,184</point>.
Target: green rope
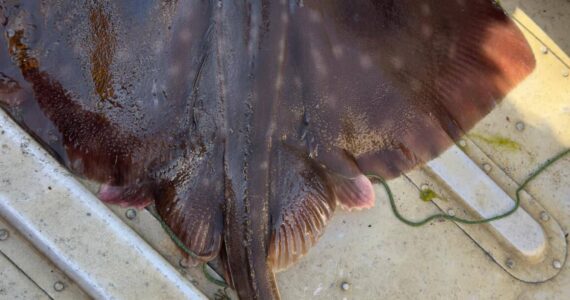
<point>181,245</point>
<point>532,176</point>
<point>172,235</point>
<point>212,278</point>
<point>537,172</point>
<point>222,294</point>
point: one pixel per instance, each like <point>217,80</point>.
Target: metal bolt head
<point>557,264</point>
<point>4,234</point>
<point>451,212</point>
<point>544,216</point>
<point>131,214</point>
<point>544,50</point>
<point>59,286</point>
<point>487,167</point>
<point>510,263</point>
<point>520,126</point>
<point>345,286</point>
<point>424,187</point>
<point>565,73</point>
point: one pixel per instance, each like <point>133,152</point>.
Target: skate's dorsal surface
<point>245,122</point>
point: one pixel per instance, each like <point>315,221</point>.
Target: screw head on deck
<point>557,264</point>
<point>544,216</point>
<point>510,263</point>
<point>58,286</point>
<point>4,234</point>
<point>131,214</point>
<point>520,126</point>
<point>345,286</point>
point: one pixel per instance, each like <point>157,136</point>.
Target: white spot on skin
<point>337,51</point>
<point>264,165</point>
<point>185,36</point>
<point>427,31</point>
<point>297,81</point>
<point>279,83</point>
<point>416,85</point>
<point>77,49</point>
<point>187,13</point>
<point>332,101</point>
<point>123,55</point>
<point>319,62</point>
<point>397,62</point>
<point>281,59</point>
<point>65,70</point>
<point>365,61</point>
<point>284,17</point>
<point>205,182</point>
<point>426,10</point>
<point>314,17</point>
<point>158,47</point>
<point>173,71</point>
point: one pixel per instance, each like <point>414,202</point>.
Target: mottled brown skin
<point>246,122</point>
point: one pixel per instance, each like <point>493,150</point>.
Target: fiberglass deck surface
<point>377,256</point>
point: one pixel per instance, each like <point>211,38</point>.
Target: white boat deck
<point>363,255</point>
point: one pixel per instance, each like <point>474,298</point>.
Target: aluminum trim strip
<point>75,230</point>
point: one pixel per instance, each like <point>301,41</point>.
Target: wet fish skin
<point>245,122</point>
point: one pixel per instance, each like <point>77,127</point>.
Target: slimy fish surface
<point>247,123</point>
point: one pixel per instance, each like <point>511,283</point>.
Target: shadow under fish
<point>248,122</point>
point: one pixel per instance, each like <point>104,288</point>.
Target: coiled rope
<point>422,222</point>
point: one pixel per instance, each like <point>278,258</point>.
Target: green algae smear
<point>428,195</point>
<point>497,141</point>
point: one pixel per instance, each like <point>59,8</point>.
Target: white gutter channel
<point>75,230</point>
<point>482,195</point>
